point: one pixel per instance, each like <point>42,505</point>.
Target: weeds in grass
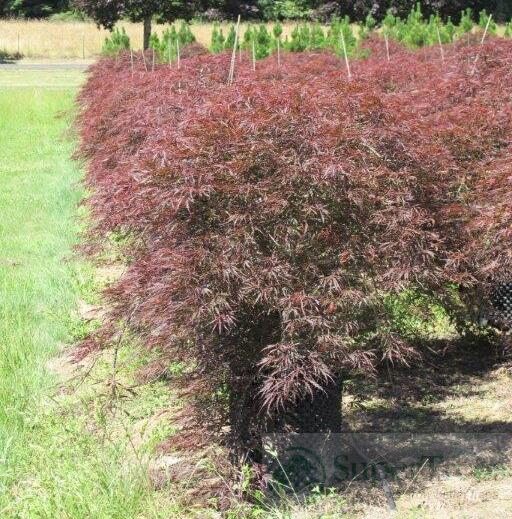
<point>492,472</point>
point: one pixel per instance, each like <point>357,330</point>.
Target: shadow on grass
<point>9,57</point>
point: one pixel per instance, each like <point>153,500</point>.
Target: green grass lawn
<point>55,460</point>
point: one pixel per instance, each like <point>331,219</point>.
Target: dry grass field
<point>79,40</point>
<point>58,40</point>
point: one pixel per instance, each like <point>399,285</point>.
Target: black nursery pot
<point>500,312</point>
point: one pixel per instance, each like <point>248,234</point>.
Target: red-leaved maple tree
<point>275,216</point>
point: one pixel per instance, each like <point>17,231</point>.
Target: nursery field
<point>300,244</point>
<point>311,272</point>
<point>32,39</point>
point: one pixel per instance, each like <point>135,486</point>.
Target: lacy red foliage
<point>276,214</point>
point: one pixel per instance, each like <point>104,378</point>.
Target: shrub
<point>263,42</point>
<point>367,27</point>
<point>167,46</point>
<point>309,37</point>
<point>277,30</point>
<point>230,38</point>
<point>466,21</point>
<point>484,19</point>
<point>259,38</point>
<point>185,34</point>
<point>73,15</point>
<point>278,216</point>
<point>218,40</point>
<point>116,42</point>
<point>414,31</point>
<point>337,28</point>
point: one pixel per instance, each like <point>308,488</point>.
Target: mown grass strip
<point>55,460</point>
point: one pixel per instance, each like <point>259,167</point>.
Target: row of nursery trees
<point>414,31</point>
<point>282,221</point>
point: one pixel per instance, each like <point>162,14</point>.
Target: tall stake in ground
<point>440,44</point>
<point>178,52</point>
<point>481,43</point>
<point>387,46</point>
<point>131,60</point>
<point>233,56</point>
<point>345,53</point>
<point>253,56</point>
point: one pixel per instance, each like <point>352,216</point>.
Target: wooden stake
<point>481,43</point>
<point>345,53</point>
<point>233,55</point>
<point>178,52</point>
<point>131,60</point>
<point>144,59</point>
<point>440,44</point>
<point>387,46</point>
<point>278,52</point>
<point>170,56</point>
<point>253,56</point>
<point>486,29</point>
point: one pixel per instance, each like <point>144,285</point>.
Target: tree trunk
<point>147,31</point>
<point>243,413</point>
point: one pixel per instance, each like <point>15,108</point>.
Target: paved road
<point>19,66</point>
<point>48,74</point>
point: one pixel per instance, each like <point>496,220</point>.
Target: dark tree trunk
<point>319,413</point>
<point>147,31</point>
<point>243,418</point>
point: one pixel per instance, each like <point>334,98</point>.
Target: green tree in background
<point>32,8</point>
<point>279,9</point>
<point>107,13</point>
